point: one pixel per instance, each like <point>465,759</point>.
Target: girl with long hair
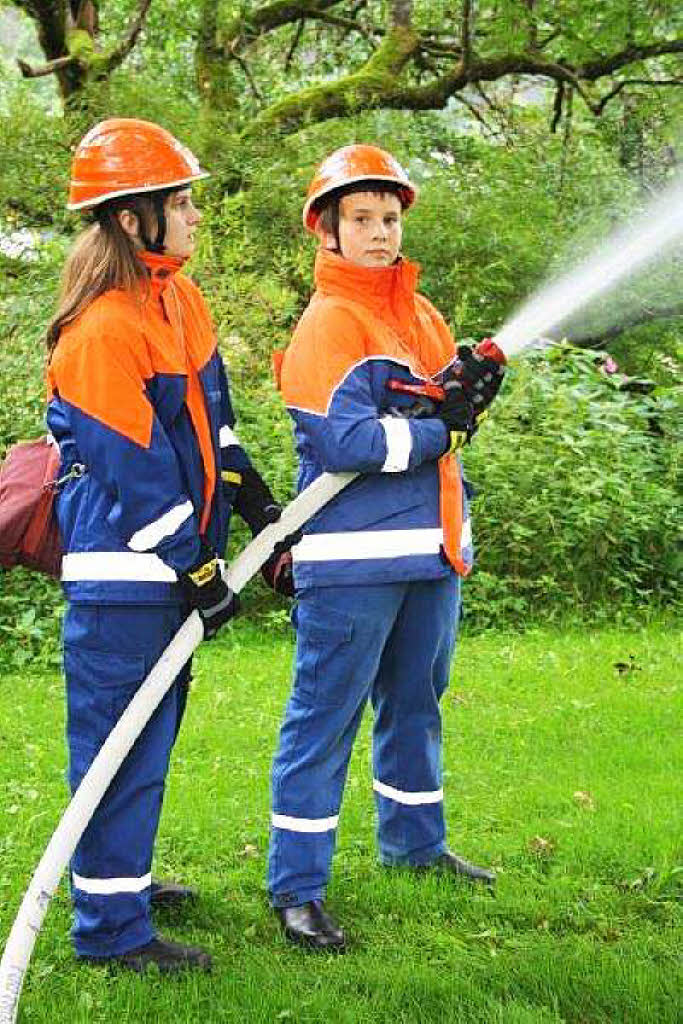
<point>140,408</point>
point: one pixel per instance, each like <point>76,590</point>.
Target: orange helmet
<point>122,156</point>
<point>351,164</point>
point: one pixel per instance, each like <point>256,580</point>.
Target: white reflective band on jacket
<point>326,547</point>
<point>165,526</point>
<point>115,566</point>
<point>411,799</point>
<point>227,437</point>
<point>305,824</point>
<point>399,444</point>
<point>111,886</point>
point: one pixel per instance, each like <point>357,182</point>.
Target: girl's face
<point>370,228</point>
<point>182,218</point>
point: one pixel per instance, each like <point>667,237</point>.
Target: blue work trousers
<point>391,642</point>
<point>108,651</point>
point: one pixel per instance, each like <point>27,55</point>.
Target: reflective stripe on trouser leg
<point>340,636</point>
<point>107,653</point>
<point>411,680</point>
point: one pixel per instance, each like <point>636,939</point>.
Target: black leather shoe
<point>169,894</point>
<point>167,957</point>
<point>309,926</point>
<point>449,863</point>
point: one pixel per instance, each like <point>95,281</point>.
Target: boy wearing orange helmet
<point>140,409</point>
<point>378,570</point>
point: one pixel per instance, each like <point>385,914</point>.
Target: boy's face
<point>370,228</point>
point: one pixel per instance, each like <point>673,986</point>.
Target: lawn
<point>563,760</point>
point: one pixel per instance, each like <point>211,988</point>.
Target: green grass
<point>561,771</point>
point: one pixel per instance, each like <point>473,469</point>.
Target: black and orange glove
<point>479,374</point>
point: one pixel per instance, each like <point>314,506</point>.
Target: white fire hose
<point>53,863</point>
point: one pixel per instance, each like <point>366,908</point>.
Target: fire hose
<point>60,849</point>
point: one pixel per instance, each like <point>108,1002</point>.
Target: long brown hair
<point>103,257</point>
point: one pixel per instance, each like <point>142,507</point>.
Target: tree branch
<point>245,28</point>
<point>466,33</point>
<point>76,45</point>
<point>119,54</point>
<point>296,39</point>
<point>51,24</point>
<point>558,103</point>
<point>28,71</point>
<point>401,14</point>
<point>250,78</point>
<point>621,85</point>
<point>350,24</point>
<point>643,316</point>
<point>365,89</point>
<point>476,114</point>
<point>592,70</point>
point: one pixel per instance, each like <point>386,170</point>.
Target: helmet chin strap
<point>157,245</point>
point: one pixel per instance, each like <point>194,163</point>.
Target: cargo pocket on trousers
<point>322,659</point>
<point>100,685</point>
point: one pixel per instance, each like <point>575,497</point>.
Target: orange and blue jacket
<point>138,397</point>
<point>406,517</point>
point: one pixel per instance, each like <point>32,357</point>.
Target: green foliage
<point>31,612</point>
<point>579,495</point>
<point>27,297</point>
<point>34,159</point>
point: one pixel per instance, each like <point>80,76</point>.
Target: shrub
<point>578,494</point>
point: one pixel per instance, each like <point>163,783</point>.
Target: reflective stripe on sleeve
<point>402,797</point>
<point>399,443</point>
<point>111,886</point>
<point>115,566</point>
<point>305,824</point>
<point>152,534</point>
<point>466,535</point>
<point>356,544</point>
<point>227,437</point>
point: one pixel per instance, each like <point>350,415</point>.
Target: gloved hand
<point>480,376</point>
<point>457,414</point>
<point>278,573</point>
<point>207,591</point>
<point>277,570</point>
<point>254,501</point>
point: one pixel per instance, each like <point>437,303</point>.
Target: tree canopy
<point>561,110</point>
<point>285,64</point>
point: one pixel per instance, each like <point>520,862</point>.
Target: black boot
<point>168,957</point>
<point>310,926</point>
<point>168,894</point>
<point>449,863</point>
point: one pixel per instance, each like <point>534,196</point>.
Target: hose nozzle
<point>488,348</point>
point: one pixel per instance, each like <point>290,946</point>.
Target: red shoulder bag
<point>28,527</point>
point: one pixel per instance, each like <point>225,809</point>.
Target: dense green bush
<point>579,486</point>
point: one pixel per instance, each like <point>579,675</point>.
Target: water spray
<point>627,250</point>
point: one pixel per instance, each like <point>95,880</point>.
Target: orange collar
<point>162,269</point>
<point>372,286</point>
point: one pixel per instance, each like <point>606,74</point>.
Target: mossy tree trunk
<point>68,33</point>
